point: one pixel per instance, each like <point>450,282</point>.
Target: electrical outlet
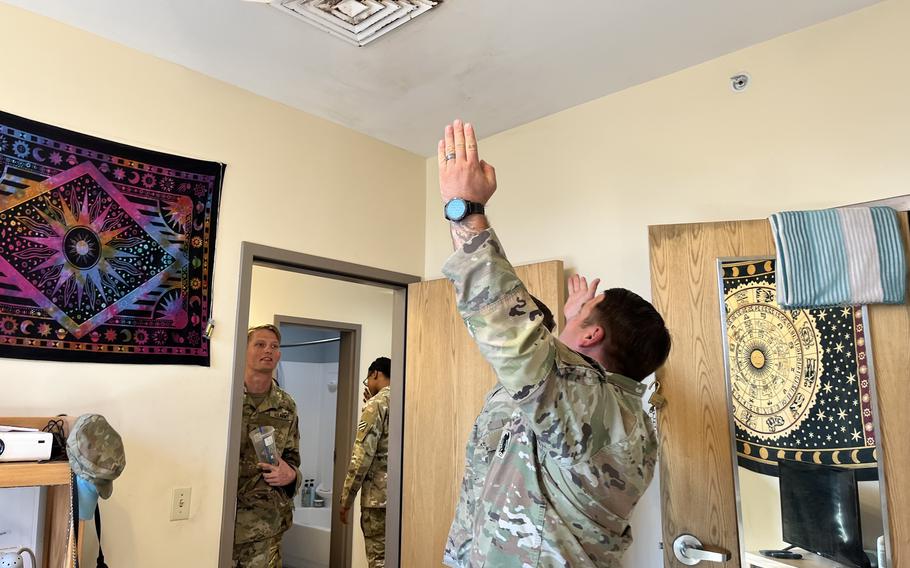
<point>180,507</point>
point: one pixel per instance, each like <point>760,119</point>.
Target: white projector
<point>25,446</point>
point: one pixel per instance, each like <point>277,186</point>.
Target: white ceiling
<point>498,63</point>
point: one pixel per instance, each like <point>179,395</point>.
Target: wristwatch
<point>457,209</point>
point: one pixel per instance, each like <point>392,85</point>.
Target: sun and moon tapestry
<point>106,250</point>
<point>800,379</point>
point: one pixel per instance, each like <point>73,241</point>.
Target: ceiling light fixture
<point>356,21</point>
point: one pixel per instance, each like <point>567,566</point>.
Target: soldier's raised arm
<point>501,315</point>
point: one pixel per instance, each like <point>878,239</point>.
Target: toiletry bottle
<point>304,493</point>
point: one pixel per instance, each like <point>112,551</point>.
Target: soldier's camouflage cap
<point>95,452</point>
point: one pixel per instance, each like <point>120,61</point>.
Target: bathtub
<point>307,542</point>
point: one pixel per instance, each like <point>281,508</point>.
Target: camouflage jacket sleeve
<point>565,403</point>
<point>291,454</point>
<point>500,316</point>
<point>369,431</point>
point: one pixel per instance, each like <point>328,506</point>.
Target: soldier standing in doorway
<point>368,469</point>
<point>265,492</point>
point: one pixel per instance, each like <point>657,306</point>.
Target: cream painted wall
<point>824,123</point>
<point>293,181</point>
<point>291,294</point>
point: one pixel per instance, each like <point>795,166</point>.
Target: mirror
<point>803,418</point>
<point>331,331</point>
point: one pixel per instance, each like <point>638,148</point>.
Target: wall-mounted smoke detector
<point>356,21</point>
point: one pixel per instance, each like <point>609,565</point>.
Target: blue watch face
<point>456,209</point>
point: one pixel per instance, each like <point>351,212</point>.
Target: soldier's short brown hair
<point>636,339</point>
<point>265,326</point>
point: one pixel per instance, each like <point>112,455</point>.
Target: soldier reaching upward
<point>562,450</point>
<point>370,463</point>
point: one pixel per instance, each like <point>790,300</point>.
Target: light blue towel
<point>839,257</point>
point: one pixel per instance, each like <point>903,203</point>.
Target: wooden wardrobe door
<point>696,466</point>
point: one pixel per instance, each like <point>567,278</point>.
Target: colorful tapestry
<point>800,379</point>
<point>106,250</point>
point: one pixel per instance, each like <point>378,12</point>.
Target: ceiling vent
<point>356,21</point>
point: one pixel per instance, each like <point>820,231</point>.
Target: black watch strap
<point>474,208</point>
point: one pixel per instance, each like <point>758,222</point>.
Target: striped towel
<point>839,257</point>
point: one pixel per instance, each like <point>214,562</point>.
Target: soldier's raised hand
<point>461,172</point>
<point>579,293</point>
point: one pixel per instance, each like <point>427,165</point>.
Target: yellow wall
<point>299,295</point>
<point>824,123</point>
<point>293,181</point>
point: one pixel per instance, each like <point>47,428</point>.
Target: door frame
<point>342,536</point>
<point>262,255</point>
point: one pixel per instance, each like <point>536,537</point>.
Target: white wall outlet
<point>180,506</point>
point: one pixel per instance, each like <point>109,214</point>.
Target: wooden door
<point>447,380</point>
<point>696,467</point>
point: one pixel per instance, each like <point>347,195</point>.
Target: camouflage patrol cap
<point>95,452</point>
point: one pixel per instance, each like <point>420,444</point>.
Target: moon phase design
<point>127,335</point>
<point>134,178</point>
<point>36,153</point>
<point>25,325</point>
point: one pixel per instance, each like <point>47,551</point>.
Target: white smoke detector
<point>356,21</point>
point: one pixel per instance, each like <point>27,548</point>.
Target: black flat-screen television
<point>820,511</point>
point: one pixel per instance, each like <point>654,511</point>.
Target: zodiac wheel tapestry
<point>799,379</point>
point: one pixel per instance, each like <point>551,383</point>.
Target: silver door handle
<point>689,551</point>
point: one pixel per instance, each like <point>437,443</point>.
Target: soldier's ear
<point>593,335</point>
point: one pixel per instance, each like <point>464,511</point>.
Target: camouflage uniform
<point>562,449</point>
<point>264,512</point>
<point>369,471</point>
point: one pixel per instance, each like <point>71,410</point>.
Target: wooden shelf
<point>809,560</point>
<point>25,474</point>
<point>58,538</point>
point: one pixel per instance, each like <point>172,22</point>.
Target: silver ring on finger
<point>450,156</point>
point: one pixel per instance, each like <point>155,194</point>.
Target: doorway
<point>324,272</point>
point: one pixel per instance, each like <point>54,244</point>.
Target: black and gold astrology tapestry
<point>106,250</point>
<point>799,379</point>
